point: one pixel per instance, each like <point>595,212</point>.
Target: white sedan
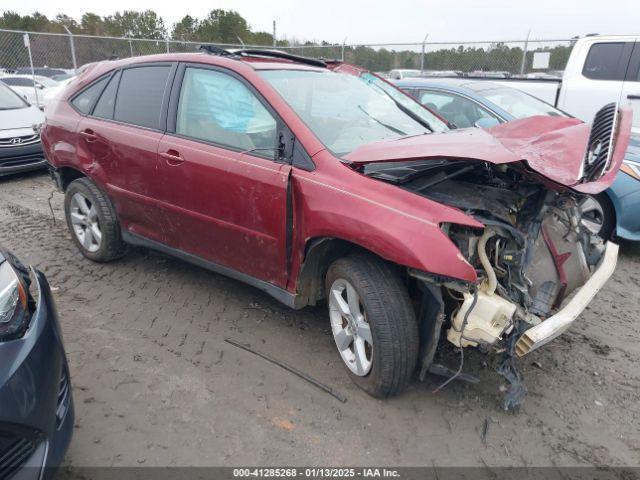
<point>24,86</point>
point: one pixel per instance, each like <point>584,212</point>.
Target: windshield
<point>9,100</point>
<point>520,104</point>
<point>345,111</point>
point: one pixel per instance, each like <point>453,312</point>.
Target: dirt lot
<point>155,384</point>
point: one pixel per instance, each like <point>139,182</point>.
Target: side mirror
<point>40,86</point>
<point>487,122</point>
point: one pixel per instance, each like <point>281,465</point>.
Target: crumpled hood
<point>554,147</point>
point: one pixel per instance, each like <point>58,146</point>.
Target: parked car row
<point>38,89</point>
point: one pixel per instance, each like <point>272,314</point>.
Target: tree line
<point>228,26</point>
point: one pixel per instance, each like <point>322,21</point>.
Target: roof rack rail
<point>214,50</point>
<point>280,54</point>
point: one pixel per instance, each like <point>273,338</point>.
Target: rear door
<point>122,132</point>
<point>631,87</point>
<point>223,189</point>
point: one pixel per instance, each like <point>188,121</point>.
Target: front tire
<point>92,221</point>
<point>373,323</point>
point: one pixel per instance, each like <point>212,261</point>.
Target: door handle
<point>88,135</point>
<point>172,157</point>
<point>633,97</point>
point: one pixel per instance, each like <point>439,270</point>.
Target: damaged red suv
<point>313,183</point>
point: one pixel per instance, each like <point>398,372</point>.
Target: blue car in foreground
<point>467,103</point>
<point>36,406</point>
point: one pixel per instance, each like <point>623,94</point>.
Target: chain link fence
<point>504,58</point>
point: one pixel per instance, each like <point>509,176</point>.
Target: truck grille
<point>19,141</point>
<point>601,143</point>
<point>15,450</point>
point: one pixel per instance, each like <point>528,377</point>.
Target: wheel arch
<point>66,175</point>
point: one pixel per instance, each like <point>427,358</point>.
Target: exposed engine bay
<point>532,254</point>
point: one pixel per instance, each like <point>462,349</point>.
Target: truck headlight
<point>14,303</point>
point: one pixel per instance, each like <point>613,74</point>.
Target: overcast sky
<point>372,21</point>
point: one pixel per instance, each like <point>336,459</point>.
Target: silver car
<point>20,123</point>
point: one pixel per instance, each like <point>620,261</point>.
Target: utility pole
<point>274,34</point>
<point>343,44</point>
<point>524,54</point>
<point>424,43</point>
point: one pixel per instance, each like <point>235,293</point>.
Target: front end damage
<point>537,265</point>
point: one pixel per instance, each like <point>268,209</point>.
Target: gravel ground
<point>155,384</point>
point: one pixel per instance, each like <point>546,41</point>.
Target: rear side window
<point>104,107</point>
<point>85,100</point>
<point>140,94</point>
<point>605,61</point>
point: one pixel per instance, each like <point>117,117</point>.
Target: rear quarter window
<point>87,97</point>
<point>140,94</point>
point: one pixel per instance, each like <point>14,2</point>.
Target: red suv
<point>311,182</point>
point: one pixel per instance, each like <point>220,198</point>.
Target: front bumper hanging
<point>557,324</point>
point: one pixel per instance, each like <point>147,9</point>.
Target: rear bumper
<point>557,324</point>
<point>21,159</point>
<point>37,414</point>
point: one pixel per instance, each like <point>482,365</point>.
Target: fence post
<point>73,49</point>
<point>274,34</point>
<point>167,40</point>
<point>27,43</point>
<point>524,54</point>
<point>131,47</point>
<point>424,43</point>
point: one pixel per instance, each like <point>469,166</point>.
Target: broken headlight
<point>14,302</point>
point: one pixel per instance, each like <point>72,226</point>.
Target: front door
<point>223,192</point>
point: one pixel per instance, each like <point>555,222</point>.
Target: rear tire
<point>92,221</point>
<point>373,323</point>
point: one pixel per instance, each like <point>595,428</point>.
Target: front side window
<point>344,111</point>
<point>85,100</point>
<point>140,94</point>
<point>460,111</point>
<point>218,108</point>
<point>604,61</point>
<point>520,104</point>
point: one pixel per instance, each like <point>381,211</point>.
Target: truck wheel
<point>92,221</point>
<point>598,215</point>
<point>373,323</point>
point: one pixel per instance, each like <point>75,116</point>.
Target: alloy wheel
<point>351,331</point>
<point>592,215</point>
<point>85,222</point>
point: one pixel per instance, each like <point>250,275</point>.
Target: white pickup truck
<point>600,70</point>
